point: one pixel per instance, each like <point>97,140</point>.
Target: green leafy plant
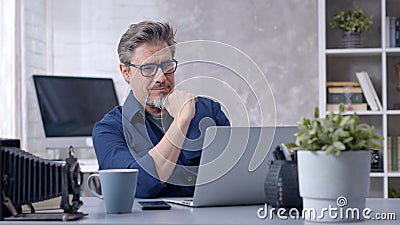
<point>352,21</point>
<point>335,133</point>
<point>393,193</point>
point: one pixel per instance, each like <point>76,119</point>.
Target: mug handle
<point>89,184</point>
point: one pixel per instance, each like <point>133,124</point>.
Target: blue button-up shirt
<point>124,136</point>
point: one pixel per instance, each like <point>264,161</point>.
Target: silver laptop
<point>234,165</point>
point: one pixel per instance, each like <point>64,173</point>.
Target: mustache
<point>158,85</point>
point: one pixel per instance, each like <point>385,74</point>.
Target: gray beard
<point>158,103</point>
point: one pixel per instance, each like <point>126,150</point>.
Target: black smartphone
<point>153,205</point>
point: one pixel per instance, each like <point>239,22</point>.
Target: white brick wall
<point>34,61</point>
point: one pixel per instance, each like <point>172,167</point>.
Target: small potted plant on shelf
<point>352,23</point>
<point>334,155</point>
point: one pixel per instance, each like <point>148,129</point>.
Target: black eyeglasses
<point>150,69</point>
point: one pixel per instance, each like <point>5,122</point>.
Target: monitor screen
<point>69,106</point>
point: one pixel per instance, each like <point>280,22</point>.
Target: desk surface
<point>208,215</point>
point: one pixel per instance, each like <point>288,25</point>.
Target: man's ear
<point>125,72</point>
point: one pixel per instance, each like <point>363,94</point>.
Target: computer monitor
<point>69,107</point>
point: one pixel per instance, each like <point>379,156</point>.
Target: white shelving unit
<point>338,64</point>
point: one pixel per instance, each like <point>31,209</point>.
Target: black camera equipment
<point>26,179</point>
<point>281,183</point>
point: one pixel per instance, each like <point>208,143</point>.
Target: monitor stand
<point>62,153</point>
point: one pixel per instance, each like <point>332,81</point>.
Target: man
<point>158,130</point>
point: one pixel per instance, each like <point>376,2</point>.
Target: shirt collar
<point>131,107</point>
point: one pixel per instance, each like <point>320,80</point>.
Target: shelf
<point>376,174</point>
<point>393,174</point>
<point>393,51</point>
<point>354,52</point>
<point>362,113</point>
<point>341,64</point>
<point>393,112</point>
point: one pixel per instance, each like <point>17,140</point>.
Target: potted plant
<point>352,23</point>
<point>334,164</point>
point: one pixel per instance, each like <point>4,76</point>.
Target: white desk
<point>210,215</point>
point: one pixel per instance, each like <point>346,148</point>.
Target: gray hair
<point>145,32</point>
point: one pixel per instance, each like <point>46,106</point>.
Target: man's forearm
<point>165,154</point>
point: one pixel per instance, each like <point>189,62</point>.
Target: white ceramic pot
<point>329,182</point>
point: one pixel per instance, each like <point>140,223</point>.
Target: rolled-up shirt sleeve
<point>219,116</point>
<point>113,153</point>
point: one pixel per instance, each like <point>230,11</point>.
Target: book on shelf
<point>342,84</point>
<point>369,91</point>
<point>389,153</point>
<point>336,98</point>
<point>397,32</point>
<point>387,30</point>
<point>337,95</point>
<point>344,90</point>
<point>392,31</point>
<point>398,151</point>
<point>352,107</point>
<point>374,94</point>
<point>395,155</point>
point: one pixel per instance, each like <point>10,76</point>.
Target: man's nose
<point>160,76</point>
